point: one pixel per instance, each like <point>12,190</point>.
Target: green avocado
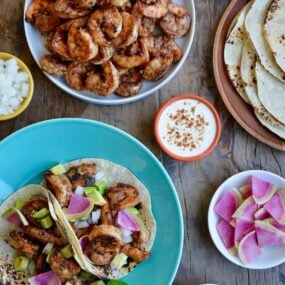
<point>58,169</point>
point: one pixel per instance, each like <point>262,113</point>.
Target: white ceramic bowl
<point>37,47</point>
<point>271,255</point>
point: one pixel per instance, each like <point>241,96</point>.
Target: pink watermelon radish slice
<point>248,249</point>
<point>276,206</point>
<point>226,232</point>
<point>228,204</point>
<point>275,224</point>
<point>261,214</point>
<point>262,191</point>
<point>78,207</point>
<point>14,218</point>
<point>267,234</point>
<point>242,229</point>
<point>246,210</point>
<point>245,191</point>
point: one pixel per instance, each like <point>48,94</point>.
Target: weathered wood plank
<point>195,182</point>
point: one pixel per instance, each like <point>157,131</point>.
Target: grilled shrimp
<point>77,73</point>
<point>104,54</point>
<point>105,24</point>
<point>129,33</point>
<point>65,10</point>
<point>64,268</point>
<point>42,14</point>
<point>53,65</point>
<point>163,45</point>
<point>42,235</point>
<point>40,262</point>
<point>122,196</point>
<point>60,186</point>
<point>138,255</point>
<point>158,67</point>
<point>82,175</point>
<point>33,205</point>
<point>135,55</point>
<point>58,41</point>
<point>148,2</point>
<point>176,22</point>
<point>130,83</point>
<point>105,82</point>
<point>146,24</point>
<point>106,215</point>
<point>154,10</point>
<point>139,238</point>
<point>87,4</point>
<point>82,232</point>
<point>119,3</point>
<point>104,244</point>
<point>80,44</point>
<point>19,241</point>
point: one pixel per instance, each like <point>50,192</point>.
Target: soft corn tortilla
<point>248,63</point>
<point>254,23</point>
<point>271,93</point>
<point>7,253</point>
<point>274,29</point>
<point>114,174</point>
<point>233,50</point>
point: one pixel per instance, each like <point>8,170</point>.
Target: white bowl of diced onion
<point>16,86</point>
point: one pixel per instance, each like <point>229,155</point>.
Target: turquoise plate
<point>26,154</point>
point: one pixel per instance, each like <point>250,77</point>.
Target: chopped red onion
<point>47,278</point>
<point>126,236</point>
<point>95,216</point>
<point>81,224</point>
<point>79,191</point>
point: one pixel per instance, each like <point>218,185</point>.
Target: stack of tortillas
<point>255,58</point>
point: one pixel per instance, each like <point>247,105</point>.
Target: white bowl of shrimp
<point>122,61</point>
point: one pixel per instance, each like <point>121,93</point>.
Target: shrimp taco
<point>107,213</point>
<point>34,247</point>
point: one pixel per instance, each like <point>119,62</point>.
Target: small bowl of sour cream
<point>187,127</point>
<point>16,86</point>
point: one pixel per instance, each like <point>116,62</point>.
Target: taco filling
<point>34,247</point>
<point>108,213</point>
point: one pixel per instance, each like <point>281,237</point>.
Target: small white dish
<point>272,255</point>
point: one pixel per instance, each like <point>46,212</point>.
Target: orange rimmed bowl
<point>25,103</point>
<point>171,153</point>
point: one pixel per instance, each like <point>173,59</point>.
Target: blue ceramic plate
<point>26,154</point>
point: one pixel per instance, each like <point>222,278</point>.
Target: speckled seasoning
<point>187,127</point>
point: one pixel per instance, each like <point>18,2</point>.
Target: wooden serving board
<point>240,110</point>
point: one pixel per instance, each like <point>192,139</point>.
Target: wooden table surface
<point>195,182</point>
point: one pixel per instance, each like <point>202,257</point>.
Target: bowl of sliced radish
<point>246,219</point>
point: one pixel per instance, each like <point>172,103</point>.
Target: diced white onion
<point>126,236</point>
<point>81,224</point>
<point>99,175</point>
<point>13,86</point>
<point>79,190</point>
<point>48,247</point>
<point>95,216</point>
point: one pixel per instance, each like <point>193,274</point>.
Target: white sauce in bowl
<point>187,127</point>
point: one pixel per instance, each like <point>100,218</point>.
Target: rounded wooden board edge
<point>230,97</point>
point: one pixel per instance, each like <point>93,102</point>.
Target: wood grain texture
<point>195,182</point>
